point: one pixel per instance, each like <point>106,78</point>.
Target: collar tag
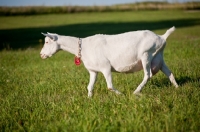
<point>77,60</point>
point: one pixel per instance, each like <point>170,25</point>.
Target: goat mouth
<point>43,56</point>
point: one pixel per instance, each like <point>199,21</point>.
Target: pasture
<point>51,95</point>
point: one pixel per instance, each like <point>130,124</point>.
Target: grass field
<point>51,95</point>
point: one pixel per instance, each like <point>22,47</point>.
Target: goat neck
<point>69,44</point>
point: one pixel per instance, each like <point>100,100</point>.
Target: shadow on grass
<point>31,37</point>
<point>181,81</point>
<point>186,79</point>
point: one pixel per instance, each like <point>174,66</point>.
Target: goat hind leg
<point>146,63</point>
<point>169,74</point>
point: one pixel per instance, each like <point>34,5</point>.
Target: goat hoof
<point>90,95</point>
<point>117,92</point>
<point>137,93</point>
<point>114,90</point>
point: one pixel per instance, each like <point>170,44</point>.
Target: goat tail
<point>168,32</point>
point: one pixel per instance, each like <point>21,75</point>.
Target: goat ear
<point>52,33</point>
<point>53,37</point>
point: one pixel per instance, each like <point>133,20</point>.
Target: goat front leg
<point>93,76</point>
<point>108,76</point>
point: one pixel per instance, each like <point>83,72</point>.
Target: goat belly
<point>136,66</point>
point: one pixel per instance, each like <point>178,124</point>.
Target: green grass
<point>51,95</point>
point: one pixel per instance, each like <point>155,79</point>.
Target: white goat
<point>127,52</point>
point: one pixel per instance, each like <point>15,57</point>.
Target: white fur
<point>127,52</point>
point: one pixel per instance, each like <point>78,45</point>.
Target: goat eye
<point>46,42</point>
